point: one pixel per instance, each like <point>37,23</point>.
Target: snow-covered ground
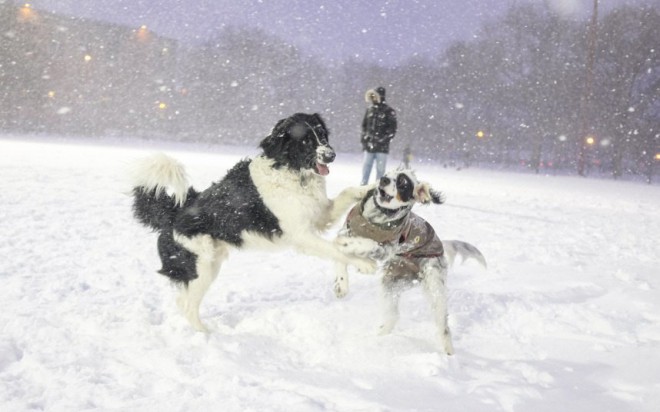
<point>566,318</point>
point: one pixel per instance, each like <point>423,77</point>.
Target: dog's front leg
<point>390,295</point>
<point>317,246</point>
<point>360,246</point>
<point>344,200</point>
<point>357,246</point>
<point>341,280</point>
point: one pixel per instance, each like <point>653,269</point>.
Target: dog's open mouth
<point>384,196</point>
<point>321,169</point>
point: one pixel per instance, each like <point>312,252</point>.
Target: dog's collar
<point>389,212</point>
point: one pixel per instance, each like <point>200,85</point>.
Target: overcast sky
<point>385,31</point>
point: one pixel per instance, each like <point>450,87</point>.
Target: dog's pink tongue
<point>323,169</point>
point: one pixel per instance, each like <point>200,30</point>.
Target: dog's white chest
<point>294,201</point>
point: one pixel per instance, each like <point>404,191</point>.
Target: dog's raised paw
<point>365,266</point>
<point>360,246</point>
<point>385,329</point>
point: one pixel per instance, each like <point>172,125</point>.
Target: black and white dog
<point>276,199</point>
<point>409,249</point>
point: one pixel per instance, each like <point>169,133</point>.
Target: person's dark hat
<point>381,92</point>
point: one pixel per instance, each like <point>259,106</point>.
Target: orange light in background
<point>162,106</point>
<point>590,140</point>
<point>143,33</point>
<point>26,13</point>
<point>480,134</point>
<point>87,58</point>
<point>51,94</point>
<point>657,156</point>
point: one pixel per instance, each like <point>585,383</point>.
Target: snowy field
<point>566,318</point>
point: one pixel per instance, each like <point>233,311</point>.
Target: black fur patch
<point>178,263</point>
<point>405,187</point>
<point>293,141</point>
<point>228,208</point>
<point>157,212</point>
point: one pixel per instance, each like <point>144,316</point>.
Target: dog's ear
<point>273,143</point>
<point>319,120</point>
<point>438,197</point>
<point>425,194</point>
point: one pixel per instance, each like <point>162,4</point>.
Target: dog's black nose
<point>329,156</point>
<point>384,181</point>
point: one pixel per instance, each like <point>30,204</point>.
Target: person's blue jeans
<point>369,158</point>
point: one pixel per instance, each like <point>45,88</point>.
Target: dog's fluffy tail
<point>454,248</point>
<point>160,188</point>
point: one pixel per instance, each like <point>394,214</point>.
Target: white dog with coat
<point>407,247</point>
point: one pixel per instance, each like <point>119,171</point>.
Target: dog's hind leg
<point>390,294</point>
<point>210,256</point>
<point>434,282</point>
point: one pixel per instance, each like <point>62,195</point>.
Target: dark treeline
<point>521,95</point>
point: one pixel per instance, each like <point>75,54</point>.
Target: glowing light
<point>590,140</point>
<point>26,12</point>
<point>143,33</point>
<point>51,94</point>
<point>87,58</point>
<point>162,106</point>
<point>480,134</point>
<point>657,156</point>
<point>562,138</point>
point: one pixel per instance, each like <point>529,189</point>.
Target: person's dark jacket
<point>379,124</point>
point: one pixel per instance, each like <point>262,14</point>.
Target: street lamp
<point>143,33</point>
<point>26,13</point>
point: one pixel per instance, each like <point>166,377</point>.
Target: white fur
<point>433,270</point>
<point>210,255</point>
<point>163,173</point>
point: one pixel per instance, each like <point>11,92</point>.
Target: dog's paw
<point>445,341</point>
<point>386,328</point>
<point>365,266</point>
<point>449,348</point>
<point>341,287</point>
<point>360,246</point>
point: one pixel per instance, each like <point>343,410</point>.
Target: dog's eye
<point>405,187</point>
<point>402,182</point>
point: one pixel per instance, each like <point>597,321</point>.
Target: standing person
<point>378,129</point>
